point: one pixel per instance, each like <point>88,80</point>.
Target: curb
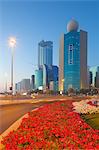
<point>17,123</point>
<point>13,127</point>
<point>8,102</point>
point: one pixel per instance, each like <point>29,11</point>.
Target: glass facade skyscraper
<point>45,57</point>
<point>32,82</point>
<point>73,58</point>
<point>46,70</point>
<point>95,76</point>
<point>38,78</point>
<point>50,73</point>
<point>45,53</point>
<point>55,73</point>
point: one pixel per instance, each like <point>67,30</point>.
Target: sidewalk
<point>7,102</point>
<point>31,100</point>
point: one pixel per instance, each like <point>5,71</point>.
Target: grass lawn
<point>92,120</point>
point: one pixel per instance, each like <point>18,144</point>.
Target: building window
<point>70,54</point>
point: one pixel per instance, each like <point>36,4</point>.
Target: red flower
<point>54,126</point>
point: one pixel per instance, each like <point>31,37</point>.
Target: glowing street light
<point>62,86</point>
<point>12,44</point>
<point>63,80</point>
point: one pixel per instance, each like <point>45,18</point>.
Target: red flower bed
<point>90,103</point>
<point>53,127</point>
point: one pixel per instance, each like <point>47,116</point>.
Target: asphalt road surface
<point>10,113</point>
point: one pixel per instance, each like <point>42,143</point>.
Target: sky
<point>32,21</point>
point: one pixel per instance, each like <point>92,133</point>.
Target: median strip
<point>14,127</point>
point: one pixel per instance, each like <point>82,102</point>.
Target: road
<point>10,113</point>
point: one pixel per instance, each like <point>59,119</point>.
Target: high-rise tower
<point>46,71</point>
<point>94,71</point>
<point>45,53</point>
<point>73,58</point>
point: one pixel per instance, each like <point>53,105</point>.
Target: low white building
<point>23,86</point>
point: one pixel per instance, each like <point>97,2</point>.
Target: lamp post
<point>12,44</point>
<point>6,82</point>
<point>62,86</point>
<point>63,80</point>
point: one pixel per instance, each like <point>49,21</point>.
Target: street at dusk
<point>10,112</point>
<point>49,75</point>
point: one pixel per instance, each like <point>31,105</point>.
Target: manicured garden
<point>92,119</point>
<point>53,127</point>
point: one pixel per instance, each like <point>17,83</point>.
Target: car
<point>32,96</point>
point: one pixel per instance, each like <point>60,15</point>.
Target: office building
<point>46,72</point>
<point>18,87</point>
<point>53,86</point>
<point>39,79</point>
<point>45,53</point>
<point>90,78</point>
<point>73,58</point>
<point>47,76</point>
<point>32,82</point>
<point>50,73</point>
<point>55,71</point>
<point>23,86</point>
<point>94,77</point>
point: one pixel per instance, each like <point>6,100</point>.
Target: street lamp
<point>63,80</point>
<point>12,44</point>
<point>6,75</point>
<point>62,86</point>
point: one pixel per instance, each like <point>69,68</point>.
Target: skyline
<point>30,24</point>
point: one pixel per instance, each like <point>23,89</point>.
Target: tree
<point>71,91</point>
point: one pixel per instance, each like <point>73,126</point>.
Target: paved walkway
<point>5,102</point>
